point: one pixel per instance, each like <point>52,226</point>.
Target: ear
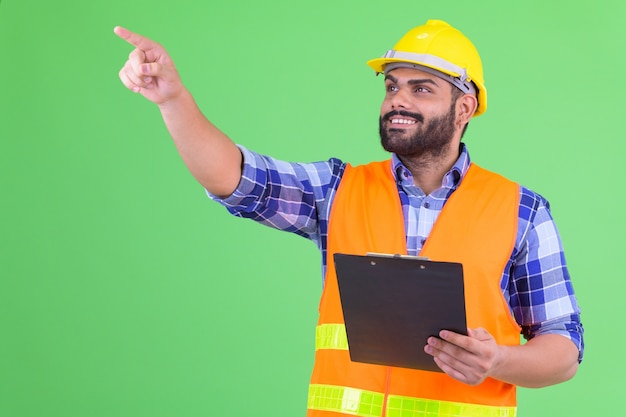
<point>465,108</point>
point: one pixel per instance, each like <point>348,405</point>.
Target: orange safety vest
<point>477,228</point>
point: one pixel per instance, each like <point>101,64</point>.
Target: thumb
<point>137,60</point>
<point>144,65</point>
<point>151,69</point>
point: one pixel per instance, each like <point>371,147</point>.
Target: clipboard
<point>392,304</point>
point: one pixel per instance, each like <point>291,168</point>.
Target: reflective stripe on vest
<point>370,404</point>
<point>331,336</point>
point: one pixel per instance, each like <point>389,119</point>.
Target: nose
<point>399,100</point>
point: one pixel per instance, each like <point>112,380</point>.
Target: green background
<point>125,292</point>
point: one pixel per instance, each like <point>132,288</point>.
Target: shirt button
<point>427,205</point>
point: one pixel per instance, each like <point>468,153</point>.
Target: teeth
<point>403,121</point>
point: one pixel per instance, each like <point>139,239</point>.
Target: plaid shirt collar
<point>450,180</point>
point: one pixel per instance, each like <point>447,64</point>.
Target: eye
<point>391,88</point>
<point>421,89</point>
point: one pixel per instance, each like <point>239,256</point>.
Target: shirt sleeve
<point>541,293</point>
<point>292,197</point>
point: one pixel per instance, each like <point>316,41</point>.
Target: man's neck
<point>428,171</point>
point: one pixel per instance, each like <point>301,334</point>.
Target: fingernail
<point>136,89</point>
<point>147,80</point>
<point>145,68</point>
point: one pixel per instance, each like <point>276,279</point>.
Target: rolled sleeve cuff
<point>252,166</point>
<point>567,326</point>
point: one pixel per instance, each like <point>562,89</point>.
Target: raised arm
<point>211,157</point>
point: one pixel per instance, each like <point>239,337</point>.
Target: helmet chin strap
<point>466,86</point>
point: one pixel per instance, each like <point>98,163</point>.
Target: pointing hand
<point>149,70</point>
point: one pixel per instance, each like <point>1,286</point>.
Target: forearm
<point>544,360</point>
<point>211,157</point>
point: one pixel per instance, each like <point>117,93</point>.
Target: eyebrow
<point>414,81</point>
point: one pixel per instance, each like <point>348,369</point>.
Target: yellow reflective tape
<point>345,400</point>
<point>363,403</point>
<point>398,406</point>
<point>331,336</point>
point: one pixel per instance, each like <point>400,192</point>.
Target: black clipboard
<point>392,304</point>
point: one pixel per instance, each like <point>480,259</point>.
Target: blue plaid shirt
<point>297,197</point>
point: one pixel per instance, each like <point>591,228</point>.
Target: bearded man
<point>427,199</point>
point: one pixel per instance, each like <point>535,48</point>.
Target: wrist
<point>181,99</point>
<point>499,362</point>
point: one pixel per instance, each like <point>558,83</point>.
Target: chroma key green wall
<point>124,291</point>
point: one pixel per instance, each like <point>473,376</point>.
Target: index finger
<point>134,39</point>
<point>456,338</point>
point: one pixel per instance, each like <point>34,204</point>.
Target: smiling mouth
<point>401,121</point>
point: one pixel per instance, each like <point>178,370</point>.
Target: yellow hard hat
<point>438,46</point>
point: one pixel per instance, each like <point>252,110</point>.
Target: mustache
<point>392,113</point>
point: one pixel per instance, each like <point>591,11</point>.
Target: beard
<point>427,139</point>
